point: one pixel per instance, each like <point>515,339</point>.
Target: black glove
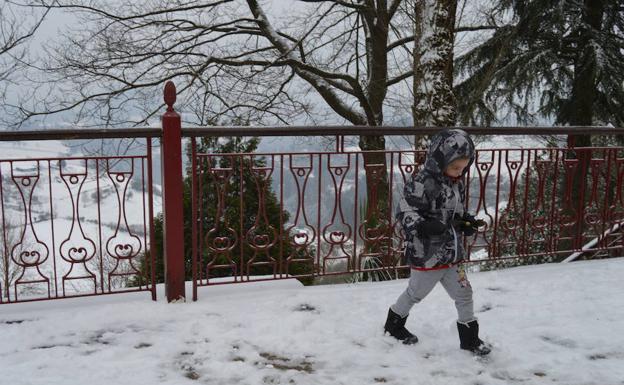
<point>467,224</point>
<point>430,227</point>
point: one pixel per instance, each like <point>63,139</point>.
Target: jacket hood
<point>447,146</point>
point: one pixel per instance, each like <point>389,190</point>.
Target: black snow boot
<point>395,325</point>
<point>469,338</point>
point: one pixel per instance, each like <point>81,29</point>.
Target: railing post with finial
<point>172,197</point>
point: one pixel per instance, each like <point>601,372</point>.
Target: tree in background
<point>108,68</point>
<point>9,271</point>
<point>217,223</point>
<point>559,60</point>
<point>334,57</point>
<point>434,25</point>
<point>16,30</point>
<point>554,60</point>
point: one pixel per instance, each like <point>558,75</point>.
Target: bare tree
<point>17,27</point>
<point>239,64</point>
<point>230,64</point>
<point>112,72</point>
<point>351,53</point>
<point>216,45</point>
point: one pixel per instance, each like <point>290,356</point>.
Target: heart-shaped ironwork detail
<point>539,222</point>
<point>592,219</point>
<point>301,238</point>
<point>221,243</point>
<point>123,250</point>
<point>567,220</point>
<point>30,257</point>
<point>337,236</point>
<point>261,240</point>
<point>77,254</point>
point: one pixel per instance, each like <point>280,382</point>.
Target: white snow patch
<point>556,323</point>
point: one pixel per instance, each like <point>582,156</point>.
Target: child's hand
<point>430,227</point>
<point>467,224</point>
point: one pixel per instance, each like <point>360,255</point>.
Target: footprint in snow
<point>51,346</point>
<point>497,288</point>
<point>606,356</point>
<point>306,307</point>
<point>14,321</point>
<point>506,376</point>
<point>563,342</point>
<point>439,373</point>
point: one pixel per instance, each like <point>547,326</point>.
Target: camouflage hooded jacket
<point>430,194</point>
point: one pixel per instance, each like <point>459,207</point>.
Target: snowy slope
<point>549,324</point>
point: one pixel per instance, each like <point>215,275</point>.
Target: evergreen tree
<point>221,226</point>
<point>560,60</point>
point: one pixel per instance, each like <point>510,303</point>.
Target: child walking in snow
<point>433,219</point>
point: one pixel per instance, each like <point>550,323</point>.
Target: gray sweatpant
<point>421,283</point>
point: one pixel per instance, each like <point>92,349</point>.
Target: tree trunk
<point>377,223</point>
<point>375,167</point>
<point>434,37</point>
<point>377,59</point>
<point>582,109</point>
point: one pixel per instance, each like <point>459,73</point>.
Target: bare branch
<point>475,28</point>
<point>399,78</point>
<point>55,4</point>
<point>347,4</point>
<point>312,75</point>
<point>13,41</point>
<point>400,42</point>
<point>394,6</point>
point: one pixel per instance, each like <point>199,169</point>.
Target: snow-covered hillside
<point>549,324</point>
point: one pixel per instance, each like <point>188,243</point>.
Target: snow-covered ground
<point>557,323</point>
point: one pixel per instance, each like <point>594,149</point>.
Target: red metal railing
<point>547,203</point>
<point>76,226</point>
<point>71,226</point>
<point>527,196</point>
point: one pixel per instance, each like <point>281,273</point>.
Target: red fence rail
<point>530,198</point>
<point>76,226</point>
<point>71,226</point>
<point>547,202</point>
